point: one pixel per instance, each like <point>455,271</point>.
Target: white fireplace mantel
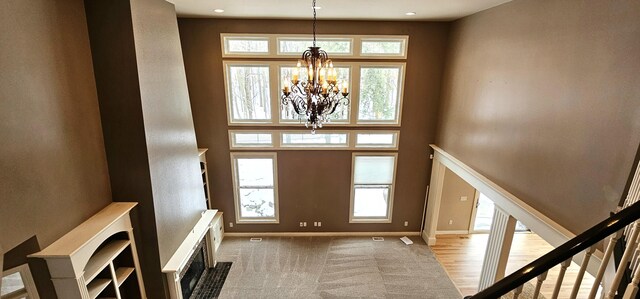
<point>173,268</point>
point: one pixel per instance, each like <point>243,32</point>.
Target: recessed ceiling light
<point>317,7</point>
<point>410,14</point>
<point>218,10</point>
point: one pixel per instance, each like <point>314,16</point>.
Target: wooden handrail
<point>564,252</point>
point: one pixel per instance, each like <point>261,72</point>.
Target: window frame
<point>389,218</point>
<point>404,46</point>
<point>275,92</point>
<point>311,146</point>
<point>287,122</point>
<point>29,289</point>
<point>274,45</point>
<point>319,38</point>
<point>236,186</point>
<point>251,146</point>
<point>356,101</point>
<point>276,140</point>
<point>225,38</point>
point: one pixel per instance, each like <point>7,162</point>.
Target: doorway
<point>482,215</point>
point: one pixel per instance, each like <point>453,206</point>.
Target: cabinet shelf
<point>122,274</point>
<point>82,263</point>
<point>103,257</point>
<point>96,286</point>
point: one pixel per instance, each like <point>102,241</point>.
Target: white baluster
<point>563,269</point>
<point>517,292</point>
<point>622,267</point>
<point>583,268</point>
<point>603,266</point>
<point>632,288</point>
<point>541,279</point>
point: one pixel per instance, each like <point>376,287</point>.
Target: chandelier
<point>316,97</point>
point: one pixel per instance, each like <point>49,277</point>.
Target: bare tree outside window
<point>249,90</point>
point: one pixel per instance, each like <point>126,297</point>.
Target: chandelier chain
<point>314,22</point>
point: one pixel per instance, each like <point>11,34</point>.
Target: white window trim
<point>275,93</point>
<point>272,93</point>
<point>356,109</point>
<point>394,145</point>
<point>389,217</point>
<point>404,44</point>
<point>274,48</point>
<point>319,37</point>
<point>276,140</point>
<point>236,187</point>
<point>29,285</point>
<point>225,42</point>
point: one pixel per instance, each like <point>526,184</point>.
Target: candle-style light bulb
<point>285,87</point>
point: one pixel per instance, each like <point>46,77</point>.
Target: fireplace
<point>192,259</point>
<point>191,274</point>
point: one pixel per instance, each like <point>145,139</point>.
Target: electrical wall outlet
<point>450,221</point>
<point>406,223</point>
<point>463,198</point>
<point>304,224</point>
<point>301,225</point>
<point>319,223</point>
<point>230,224</point>
<point>315,223</point>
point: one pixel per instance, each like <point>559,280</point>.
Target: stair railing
<point>622,227</point>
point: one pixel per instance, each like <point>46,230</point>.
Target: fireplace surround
<point>193,257</point>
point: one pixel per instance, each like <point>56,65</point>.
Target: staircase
<point>620,233</point>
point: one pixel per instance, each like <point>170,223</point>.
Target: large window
<point>255,187</point>
<point>253,86</point>
<point>248,92</point>
<point>380,88</point>
<point>373,177</point>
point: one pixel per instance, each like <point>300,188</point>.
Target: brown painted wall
<point>53,169</point>
<point>326,198</point>
<point>451,208</point>
<point>543,97</point>
<point>149,134</point>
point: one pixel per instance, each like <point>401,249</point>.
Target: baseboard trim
<point>322,234</point>
<point>452,232</point>
<point>429,240</point>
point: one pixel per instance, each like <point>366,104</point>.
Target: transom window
<point>373,177</point>
<point>292,45</point>
<point>255,187</point>
<point>304,140</point>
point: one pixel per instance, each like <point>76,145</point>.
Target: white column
<point>433,202</point>
<point>498,248</point>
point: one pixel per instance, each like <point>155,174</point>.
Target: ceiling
<point>437,10</point>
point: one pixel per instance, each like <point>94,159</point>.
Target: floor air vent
<point>255,240</point>
<point>379,239</point>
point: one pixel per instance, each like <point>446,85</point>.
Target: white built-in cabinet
<point>97,259</point>
<point>202,156</point>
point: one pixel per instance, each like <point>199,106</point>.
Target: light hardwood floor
<point>462,255</point>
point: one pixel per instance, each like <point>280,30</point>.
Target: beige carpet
<point>333,267</point>
<point>527,293</point>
